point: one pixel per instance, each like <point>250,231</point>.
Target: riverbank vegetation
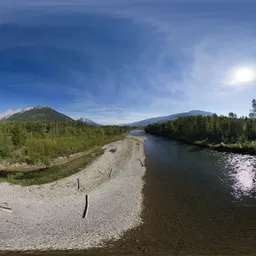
<point>37,143</point>
<point>219,132</point>
<point>53,173</point>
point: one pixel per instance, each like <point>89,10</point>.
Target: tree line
<point>38,142</point>
<point>210,129</point>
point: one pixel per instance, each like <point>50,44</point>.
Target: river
<point>196,201</point>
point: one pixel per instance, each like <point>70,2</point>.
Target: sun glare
<point>243,75</point>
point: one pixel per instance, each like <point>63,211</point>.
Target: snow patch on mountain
<point>88,121</point>
<point>10,112</point>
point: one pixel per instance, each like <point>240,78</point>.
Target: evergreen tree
<point>18,136</point>
<point>252,113</point>
<point>211,129</point>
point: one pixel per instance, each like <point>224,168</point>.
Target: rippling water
<point>197,200</point>
<point>240,172</point>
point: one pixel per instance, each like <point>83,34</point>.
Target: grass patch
<point>21,168</point>
<point>248,147</point>
<point>53,173</point>
<point>114,138</point>
<point>50,174</point>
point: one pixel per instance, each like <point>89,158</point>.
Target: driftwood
<point>141,163</point>
<point>6,208</point>
<point>110,173</point>
<point>86,206</point>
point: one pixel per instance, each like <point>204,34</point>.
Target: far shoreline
<point>228,148</point>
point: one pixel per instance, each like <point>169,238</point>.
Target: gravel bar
<point>49,217</point>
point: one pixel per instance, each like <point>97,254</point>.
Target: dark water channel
<point>196,201</point>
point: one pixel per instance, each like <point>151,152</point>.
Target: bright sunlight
<point>240,76</point>
<point>243,75</point>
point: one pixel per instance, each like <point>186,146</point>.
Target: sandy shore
<point>49,217</point>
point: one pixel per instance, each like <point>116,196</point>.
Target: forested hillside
<point>39,142</point>
<point>162,119</point>
<point>218,131</point>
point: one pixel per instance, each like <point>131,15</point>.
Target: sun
<point>241,77</point>
<point>244,75</point>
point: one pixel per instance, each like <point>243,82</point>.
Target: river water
<point>196,201</point>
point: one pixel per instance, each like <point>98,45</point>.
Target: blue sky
<point>118,61</point>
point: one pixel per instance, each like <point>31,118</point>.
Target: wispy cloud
<point>121,61</point>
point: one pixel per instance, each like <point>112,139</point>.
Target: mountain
<point>10,112</point>
<point>170,117</point>
<point>89,121</point>
<point>38,113</point>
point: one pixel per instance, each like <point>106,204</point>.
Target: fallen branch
<point>78,184</point>
<point>86,206</point>
<point>110,173</point>
<point>6,208</point>
<point>141,163</point>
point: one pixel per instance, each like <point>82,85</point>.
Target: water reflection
<point>199,201</point>
<point>241,172</point>
<point>237,172</point>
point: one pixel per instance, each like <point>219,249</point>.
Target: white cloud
<point>204,57</point>
<point>184,63</point>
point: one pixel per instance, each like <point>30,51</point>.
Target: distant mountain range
<point>162,119</point>
<point>39,113</point>
<point>47,114</point>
